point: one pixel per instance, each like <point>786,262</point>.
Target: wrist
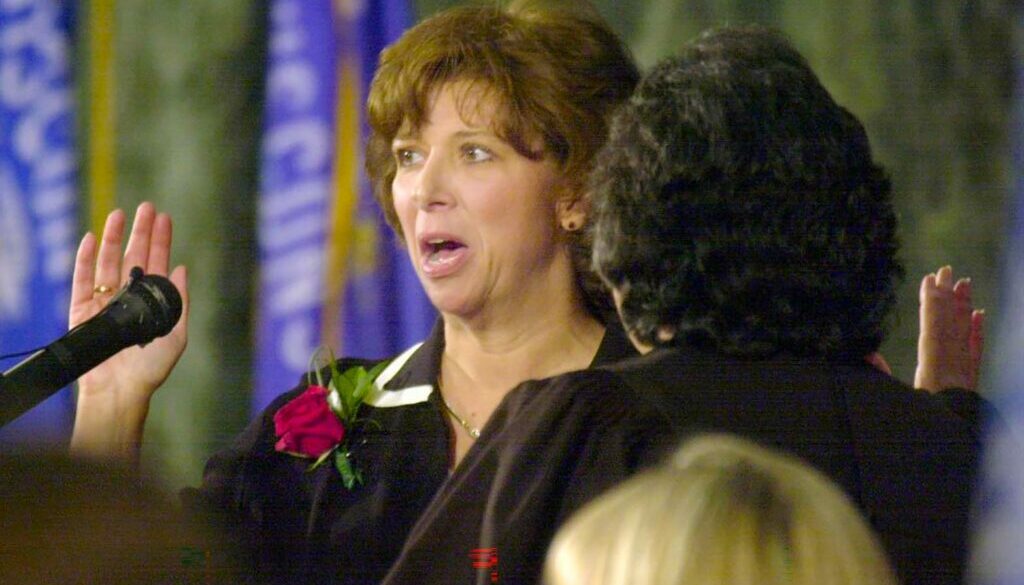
<point>109,427</point>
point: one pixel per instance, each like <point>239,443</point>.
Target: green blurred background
<point>931,80</point>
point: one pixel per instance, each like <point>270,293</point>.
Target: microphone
<point>147,307</point>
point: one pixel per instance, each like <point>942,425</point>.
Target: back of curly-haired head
<point>738,205</point>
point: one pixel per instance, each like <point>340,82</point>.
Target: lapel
<point>410,377</point>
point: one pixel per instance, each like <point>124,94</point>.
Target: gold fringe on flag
<point>101,142</point>
<point>341,236</point>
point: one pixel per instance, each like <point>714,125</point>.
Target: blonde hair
<point>723,511</point>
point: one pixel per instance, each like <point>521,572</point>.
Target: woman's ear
<point>572,212</point>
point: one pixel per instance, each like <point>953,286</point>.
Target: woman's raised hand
<point>949,348</point>
<point>113,398</point>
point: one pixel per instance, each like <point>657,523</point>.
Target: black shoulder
<point>576,404</point>
<point>972,407</point>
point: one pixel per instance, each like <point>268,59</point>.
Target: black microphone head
<point>147,308</point>
<point>163,299</point>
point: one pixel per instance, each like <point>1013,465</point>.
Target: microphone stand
<point>128,319</point>
<point>21,388</point>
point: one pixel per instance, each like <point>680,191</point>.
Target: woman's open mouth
<point>442,256</point>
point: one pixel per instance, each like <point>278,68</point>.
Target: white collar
<point>378,397</point>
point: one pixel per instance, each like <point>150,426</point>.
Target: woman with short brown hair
<point>485,121</point>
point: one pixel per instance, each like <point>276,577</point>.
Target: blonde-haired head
<point>722,511</point>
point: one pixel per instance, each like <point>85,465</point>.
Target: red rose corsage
<point>318,423</point>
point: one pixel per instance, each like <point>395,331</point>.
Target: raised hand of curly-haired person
<point>951,341</point>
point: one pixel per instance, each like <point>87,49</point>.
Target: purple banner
<point>998,556</point>
<point>38,210</point>
<point>331,273</point>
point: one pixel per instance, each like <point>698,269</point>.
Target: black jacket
<point>908,459</point>
<point>306,527</point>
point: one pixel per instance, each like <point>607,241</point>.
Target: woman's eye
<point>476,153</point>
<point>406,157</point>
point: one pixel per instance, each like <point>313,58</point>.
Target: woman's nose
<point>433,186</point>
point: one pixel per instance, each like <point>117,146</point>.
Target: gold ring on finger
<point>103,289</point>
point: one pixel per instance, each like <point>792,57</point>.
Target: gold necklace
<point>472,431</point>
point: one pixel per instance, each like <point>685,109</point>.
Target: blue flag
<point>330,270</point>
<point>998,557</point>
<point>38,217</point>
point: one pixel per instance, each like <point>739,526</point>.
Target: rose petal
<point>307,426</point>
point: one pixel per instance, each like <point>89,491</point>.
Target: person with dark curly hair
<point>741,211</point>
<point>750,241</point>
<point>745,226</point>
